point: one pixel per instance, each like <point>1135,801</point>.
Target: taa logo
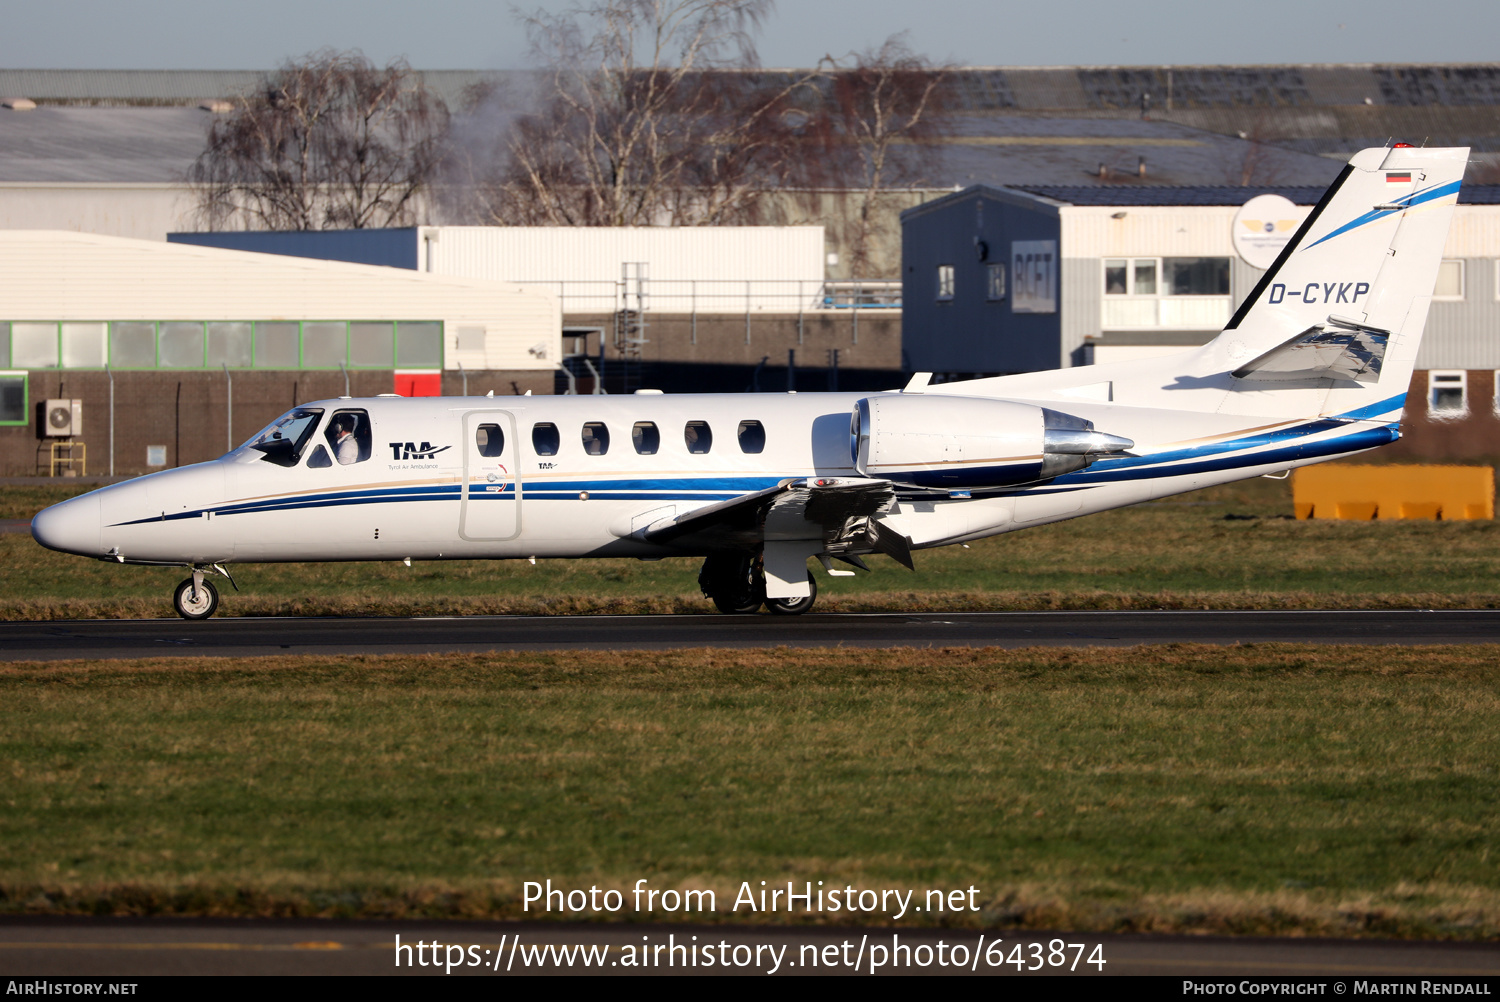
<point>409,450</point>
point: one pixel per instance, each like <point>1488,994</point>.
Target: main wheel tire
<point>736,605</point>
<point>733,583</point>
<point>795,606</point>
<point>201,608</point>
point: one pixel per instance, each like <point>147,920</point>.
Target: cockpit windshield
<point>283,440</point>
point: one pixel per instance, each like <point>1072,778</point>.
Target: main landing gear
<point>736,585</point>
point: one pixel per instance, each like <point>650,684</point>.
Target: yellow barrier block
<point>1365,492</point>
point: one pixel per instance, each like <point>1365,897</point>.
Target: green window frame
<point>8,380</point>
<point>413,344</point>
<point>119,330</point>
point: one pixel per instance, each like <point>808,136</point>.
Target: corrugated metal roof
<point>101,145</point>
<point>1022,151</point>
<point>179,87</point>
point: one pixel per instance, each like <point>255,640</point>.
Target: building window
<point>85,346</point>
<point>1450,281</point>
<point>372,345</point>
<point>180,346</point>
<point>945,281</point>
<point>194,344</point>
<point>132,345</point>
<point>276,346</point>
<point>1166,292</point>
<point>994,282</point>
<point>1447,394</point>
<point>33,346</point>
<point>1196,276</point>
<point>13,398</point>
<point>231,344</point>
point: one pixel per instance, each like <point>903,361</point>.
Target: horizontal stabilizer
<point>1335,349</point>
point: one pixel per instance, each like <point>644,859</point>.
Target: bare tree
<point>890,109</point>
<point>650,114</point>
<point>1259,163</point>
<point>330,141</point>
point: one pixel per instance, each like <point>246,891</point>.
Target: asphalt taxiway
<point>247,637</point>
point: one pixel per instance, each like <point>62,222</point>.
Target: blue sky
<point>471,34</point>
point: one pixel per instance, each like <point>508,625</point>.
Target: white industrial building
<point>591,269</point>
<point>78,300</point>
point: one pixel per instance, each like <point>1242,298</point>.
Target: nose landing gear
<point>736,585</point>
<point>196,598</point>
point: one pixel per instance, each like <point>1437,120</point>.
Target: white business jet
<point>1314,366</point>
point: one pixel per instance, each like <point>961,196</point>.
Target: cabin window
<point>283,440</point>
<point>348,436</point>
<point>752,436</point>
<point>699,437</point>
<point>545,438</point>
<point>490,440</point>
<point>595,438</point>
<point>645,438</point>
<point>1447,394</point>
<point>319,460</point>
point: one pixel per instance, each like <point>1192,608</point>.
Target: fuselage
<point>569,476</point>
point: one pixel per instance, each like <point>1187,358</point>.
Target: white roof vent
<point>19,103</point>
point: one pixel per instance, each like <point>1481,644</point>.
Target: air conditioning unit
<point>62,418</point>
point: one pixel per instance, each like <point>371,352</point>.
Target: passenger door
<point>490,506</point>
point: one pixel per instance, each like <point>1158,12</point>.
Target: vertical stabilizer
<point>1347,299</point>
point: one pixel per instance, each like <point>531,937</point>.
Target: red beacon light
<point>1402,146</point>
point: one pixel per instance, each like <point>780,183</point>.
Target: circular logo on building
<point>1263,226</point>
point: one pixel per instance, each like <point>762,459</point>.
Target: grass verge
<point>1268,789</point>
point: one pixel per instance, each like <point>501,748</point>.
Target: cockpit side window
<point>348,436</point>
<point>282,442</point>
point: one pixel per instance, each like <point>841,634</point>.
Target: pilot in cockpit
<point>341,436</point>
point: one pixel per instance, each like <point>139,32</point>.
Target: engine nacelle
<point>949,442</point>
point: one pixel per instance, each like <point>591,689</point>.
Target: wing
<point>842,512</point>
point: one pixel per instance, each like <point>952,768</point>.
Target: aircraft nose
<point>71,526</point>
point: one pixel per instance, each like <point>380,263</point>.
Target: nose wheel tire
<point>200,606</point>
<point>794,606</point>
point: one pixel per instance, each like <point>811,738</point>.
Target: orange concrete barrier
<point>1449,493</point>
